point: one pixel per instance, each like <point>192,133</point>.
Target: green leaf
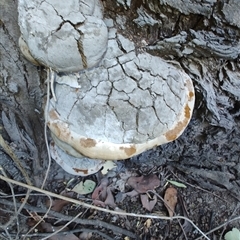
<point>232,235</point>
<point>177,184</point>
<point>84,187</point>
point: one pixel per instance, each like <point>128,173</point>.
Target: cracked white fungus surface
<point>66,36</point>
<point>126,105</point>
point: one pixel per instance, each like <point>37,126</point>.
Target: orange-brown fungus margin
<point>129,150</point>
<point>53,115</point>
<point>88,142</point>
<point>174,133</point>
<point>57,131</point>
<point>191,95</point>
<point>77,170</point>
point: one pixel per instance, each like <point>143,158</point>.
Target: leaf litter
<point>170,200</point>
<point>109,194</point>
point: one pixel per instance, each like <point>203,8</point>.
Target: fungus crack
<point>81,51</point>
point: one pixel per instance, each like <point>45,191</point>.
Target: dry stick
<point>220,226</point>
<point>9,236</point>
<point>166,204</point>
<point>99,208</point>
<point>50,77</point>
<point>42,218</point>
<point>64,233</point>
<point>59,230</point>
<point>19,210</point>
<point>4,227</point>
<point>14,202</point>
<point>10,152</point>
<point>233,213</point>
<point>113,228</point>
<point>197,187</point>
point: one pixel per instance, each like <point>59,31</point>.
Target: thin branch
<point>99,223</point>
<point>14,203</point>
<point>220,226</point>
<point>42,218</point>
<point>50,77</point>
<point>13,156</point>
<point>64,233</point>
<point>200,188</point>
<point>99,208</point>
<point>59,230</point>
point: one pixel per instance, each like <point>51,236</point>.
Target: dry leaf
<point>148,223</point>
<point>144,183</point>
<point>102,195</point>
<point>110,199</point>
<point>170,200</point>
<point>147,203</point>
<point>58,204</point>
<point>100,192</point>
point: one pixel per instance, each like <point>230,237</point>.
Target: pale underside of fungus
<point>118,105</point>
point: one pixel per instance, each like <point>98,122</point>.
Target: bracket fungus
<point>118,105</point>
<point>62,35</point>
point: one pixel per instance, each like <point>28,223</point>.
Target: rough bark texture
<point>202,37</point>
<point>21,94</point>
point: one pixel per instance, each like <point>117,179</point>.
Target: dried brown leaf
<point>144,183</point>
<point>170,200</point>
<point>58,204</point>
<point>102,195</point>
<point>110,199</point>
<point>100,192</point>
<point>147,203</point>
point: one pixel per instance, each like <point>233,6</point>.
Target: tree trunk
<point>202,37</point>
<point>21,93</point>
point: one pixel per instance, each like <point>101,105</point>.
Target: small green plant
<point>177,184</point>
<point>85,187</point>
<point>234,234</point>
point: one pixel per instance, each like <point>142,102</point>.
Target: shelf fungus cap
<point>123,107</point>
<point>81,166</point>
<point>67,36</point>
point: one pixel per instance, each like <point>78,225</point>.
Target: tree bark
<point>21,92</point>
<point>202,37</point>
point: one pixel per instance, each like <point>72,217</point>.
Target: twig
<point>102,224</point>
<point>42,218</point>
<point>64,233</point>
<point>197,187</point>
<point>99,208</point>
<point>167,205</point>
<point>233,213</point>
<point>10,152</point>
<point>59,230</point>
<point>19,210</point>
<point>14,202</point>
<point>220,226</point>
<point>50,75</point>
